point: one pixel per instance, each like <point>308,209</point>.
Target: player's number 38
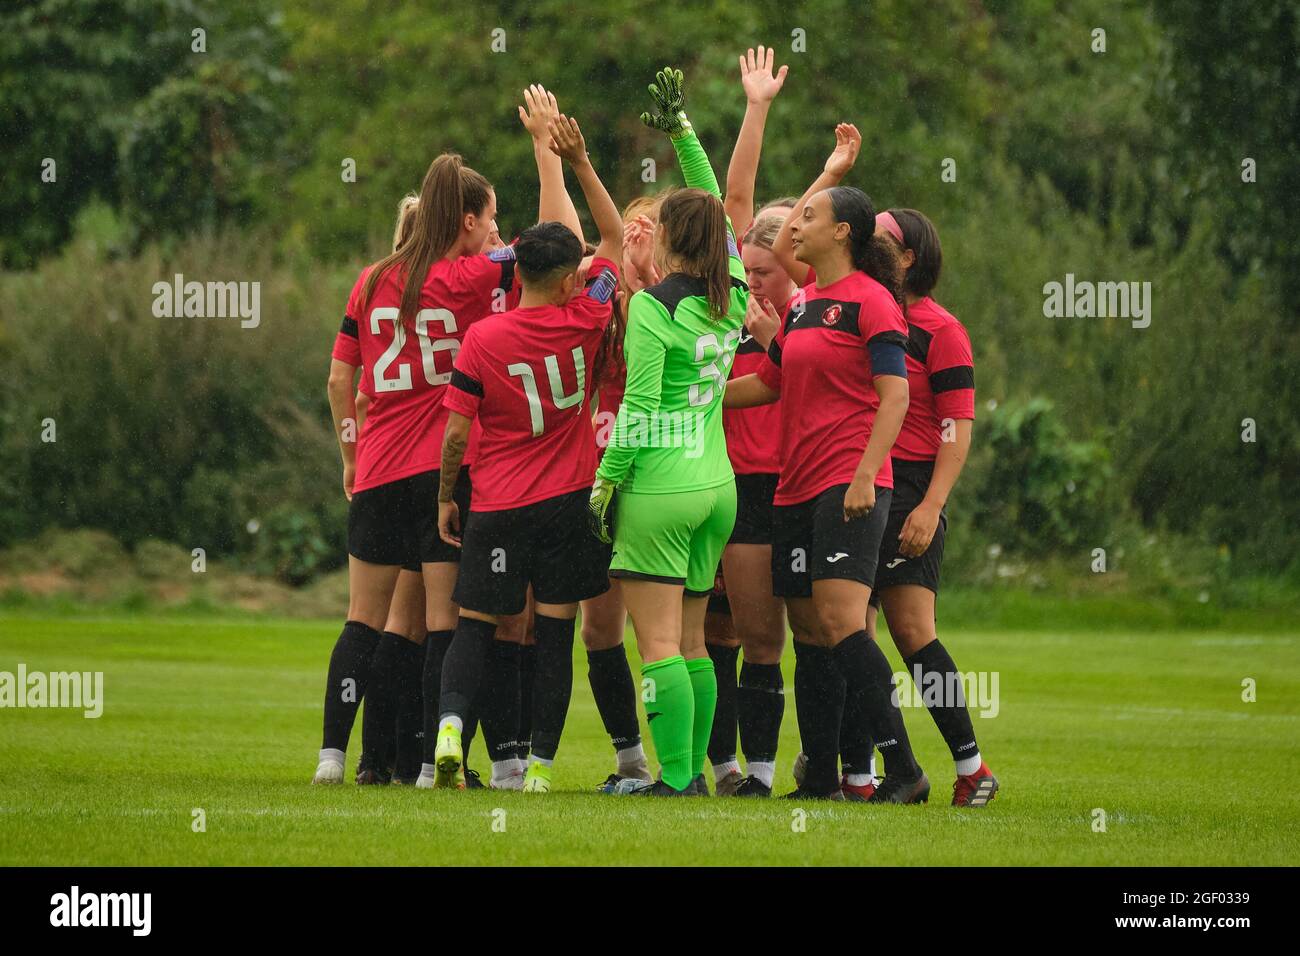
<point>718,359</point>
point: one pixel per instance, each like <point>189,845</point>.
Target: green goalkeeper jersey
<point>668,434</point>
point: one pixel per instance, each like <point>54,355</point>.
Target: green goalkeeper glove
<point>602,499</point>
<point>667,94</point>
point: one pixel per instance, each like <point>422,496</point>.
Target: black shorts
<point>548,544</point>
<point>397,522</point>
<point>911,481</point>
<point>754,495</point>
<point>811,541</point>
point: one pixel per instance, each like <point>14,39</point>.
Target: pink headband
<point>890,225</point>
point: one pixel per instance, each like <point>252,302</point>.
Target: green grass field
<point>223,714</point>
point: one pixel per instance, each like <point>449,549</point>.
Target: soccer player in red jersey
<point>522,377</point>
<point>838,365</point>
<point>745,595</point>
<point>392,722</point>
<point>409,312</point>
<point>927,459</point>
<point>743,612</point>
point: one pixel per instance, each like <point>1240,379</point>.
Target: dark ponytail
<point>922,238</point>
<point>450,189</point>
<point>873,256</point>
<point>695,229</point>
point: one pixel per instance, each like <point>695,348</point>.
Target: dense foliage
<point>228,164</point>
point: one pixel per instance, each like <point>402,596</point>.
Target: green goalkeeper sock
<point>670,712</point>
<point>704,688</point>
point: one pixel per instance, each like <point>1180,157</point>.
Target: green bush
<point>179,429</point>
<point>1042,492</point>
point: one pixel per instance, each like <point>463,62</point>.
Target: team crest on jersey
<point>832,314</point>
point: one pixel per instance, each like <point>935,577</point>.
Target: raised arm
<point>760,88</point>
<point>847,143</point>
<point>553,201</point>
<point>670,117</point>
<point>567,143</point>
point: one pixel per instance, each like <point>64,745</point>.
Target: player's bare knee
<point>836,623</point>
<point>911,628</point>
<point>764,648</point>
<point>599,638</point>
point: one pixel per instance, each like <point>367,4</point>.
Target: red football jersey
<point>753,434</point>
<point>940,377</point>
<point>406,369</point>
<point>821,363</point>
<point>523,377</point>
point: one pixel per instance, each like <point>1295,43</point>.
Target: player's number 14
<point>528,378</point>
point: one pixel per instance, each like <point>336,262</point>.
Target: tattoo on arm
<point>453,452</point>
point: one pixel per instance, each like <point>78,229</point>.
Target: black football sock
<point>408,671</point>
<point>527,678</point>
<point>498,701</point>
<point>867,672</point>
<point>435,650</point>
<point>470,720</point>
<point>856,742</point>
<point>819,705</point>
<point>345,684</point>
<point>722,741</point>
<point>379,720</point>
<point>615,694</point>
<point>940,685</point>
<point>462,669</point>
<point>760,705</point>
<point>553,683</point>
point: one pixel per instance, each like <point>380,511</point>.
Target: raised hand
<point>847,143</point>
<point>566,139</point>
<point>538,111</point>
<point>666,92</point>
<point>638,247</point>
<point>756,75</point>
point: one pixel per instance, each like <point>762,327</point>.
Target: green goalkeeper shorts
<point>674,538</point>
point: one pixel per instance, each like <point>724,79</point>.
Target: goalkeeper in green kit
<point>667,456</point>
